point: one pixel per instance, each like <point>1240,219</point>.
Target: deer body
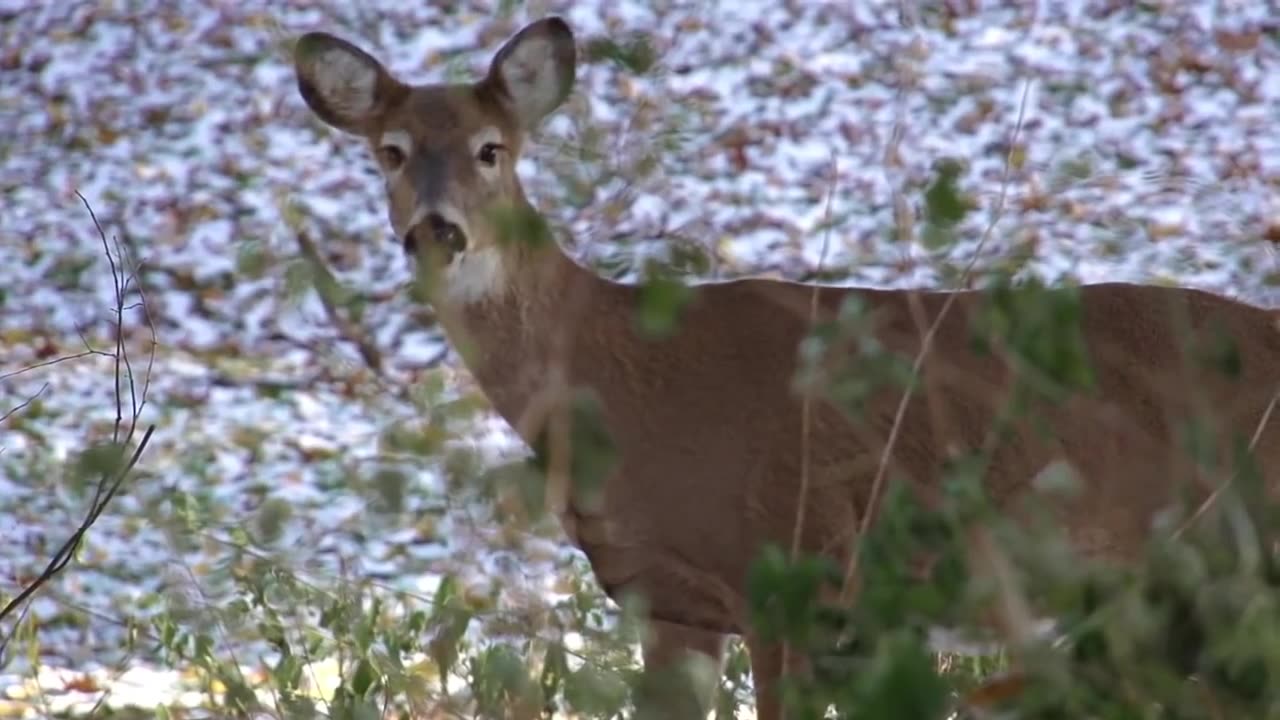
<point>712,436</point>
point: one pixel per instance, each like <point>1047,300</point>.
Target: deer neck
<point>519,341</point>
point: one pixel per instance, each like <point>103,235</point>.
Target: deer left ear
<point>342,84</point>
<point>535,69</point>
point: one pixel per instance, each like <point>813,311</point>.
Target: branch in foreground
<point>112,479</point>
<point>326,289</point>
<point>69,548</point>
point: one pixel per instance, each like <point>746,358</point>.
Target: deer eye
<point>488,153</point>
<point>391,156</point>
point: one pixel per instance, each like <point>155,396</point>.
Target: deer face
<point>447,152</point>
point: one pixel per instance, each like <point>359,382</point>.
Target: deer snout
<point>439,232</point>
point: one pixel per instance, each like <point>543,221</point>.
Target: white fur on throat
<point>475,275</point>
<point>346,82</point>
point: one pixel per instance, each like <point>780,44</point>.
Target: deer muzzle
<point>438,234</point>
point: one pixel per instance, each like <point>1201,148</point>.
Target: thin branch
<point>1217,492</point>
<point>111,481</point>
<point>69,548</point>
<point>55,361</point>
<point>806,400</point>
<point>22,405</point>
<point>350,331</point>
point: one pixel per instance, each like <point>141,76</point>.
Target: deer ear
<point>342,84</point>
<point>535,69</point>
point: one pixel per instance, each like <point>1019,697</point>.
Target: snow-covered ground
<point>1148,151</point>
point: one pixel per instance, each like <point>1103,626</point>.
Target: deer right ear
<point>342,84</point>
<point>535,69</point>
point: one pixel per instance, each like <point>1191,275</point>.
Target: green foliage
<point>592,452</point>
<point>98,461</point>
<point>785,594</point>
<point>843,361</point>
<point>448,624</point>
<point>501,683</point>
<point>1218,352</point>
<point>252,259</point>
<point>635,54</point>
<point>944,204</point>
<point>596,691</point>
<point>662,298</point>
<point>1038,327</point>
<point>520,225</point>
<point>271,519</point>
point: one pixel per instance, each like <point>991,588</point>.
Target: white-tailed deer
<point>714,442</point>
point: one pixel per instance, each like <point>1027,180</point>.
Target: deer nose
<point>444,234</point>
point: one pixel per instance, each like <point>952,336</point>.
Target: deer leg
<point>766,673</point>
<point>682,667</point>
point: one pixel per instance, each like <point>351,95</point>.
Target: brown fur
<point>708,423</point>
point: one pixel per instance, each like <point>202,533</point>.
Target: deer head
<point>447,153</point>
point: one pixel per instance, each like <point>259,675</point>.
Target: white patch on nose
<point>346,82</point>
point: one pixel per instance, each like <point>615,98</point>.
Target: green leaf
<point>902,682</point>
<point>1041,327</point>
<point>555,668</point>
<point>520,226</point>
<point>105,459</point>
<point>423,439</point>
<point>252,259</point>
<point>595,691</point>
<point>299,277</point>
<point>944,205</point>
<point>499,679</point>
<point>447,625</point>
<point>391,486</point>
<point>662,298</point>
<point>593,456</point>
<point>784,594</point>
<point>271,519</point>
<point>527,477</point>
<point>365,680</point>
<point>635,54</point>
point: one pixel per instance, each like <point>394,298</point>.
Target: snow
<point>180,122</point>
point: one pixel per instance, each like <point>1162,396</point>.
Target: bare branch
<point>350,331</point>
<point>72,544</point>
<point>20,406</point>
<point>113,479</point>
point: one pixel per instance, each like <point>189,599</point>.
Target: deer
<point>719,451</point>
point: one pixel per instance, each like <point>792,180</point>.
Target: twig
<point>353,333</point>
<point>69,548</point>
<point>55,361</point>
<point>1217,492</point>
<point>20,406</point>
<point>111,481</point>
<point>806,400</point>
